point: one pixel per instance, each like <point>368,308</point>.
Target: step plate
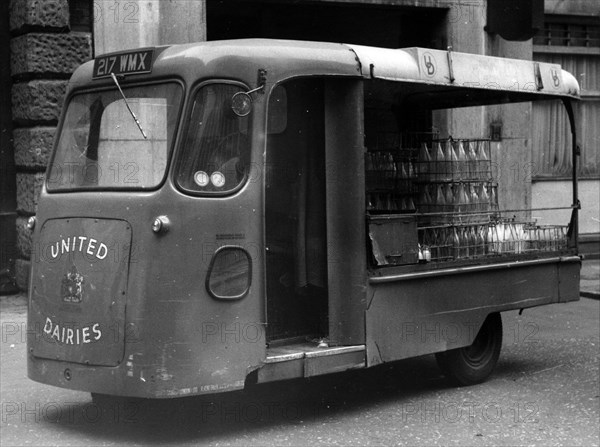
<point>307,360</point>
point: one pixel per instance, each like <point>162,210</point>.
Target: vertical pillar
<point>465,22</point>
<point>345,191</point>
<point>465,30</point>
<point>8,204</point>
<point>512,155</point>
<point>44,52</point>
<point>121,25</point>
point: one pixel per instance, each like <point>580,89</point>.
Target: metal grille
<point>569,32</point>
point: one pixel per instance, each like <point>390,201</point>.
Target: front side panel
<point>79,297</point>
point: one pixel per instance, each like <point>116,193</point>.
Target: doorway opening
<point>388,26</point>
<point>297,298</point>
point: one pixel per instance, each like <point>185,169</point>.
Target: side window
<point>216,148</point>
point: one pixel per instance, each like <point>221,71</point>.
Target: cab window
<point>101,146</point>
<point>216,147</point>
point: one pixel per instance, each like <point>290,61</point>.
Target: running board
<point>308,360</point>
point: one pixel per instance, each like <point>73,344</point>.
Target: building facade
<point>47,39</point>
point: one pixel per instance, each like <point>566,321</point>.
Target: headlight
<point>31,223</point>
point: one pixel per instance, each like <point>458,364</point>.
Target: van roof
<point>284,59</point>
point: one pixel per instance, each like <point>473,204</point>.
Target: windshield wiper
<point>112,75</point>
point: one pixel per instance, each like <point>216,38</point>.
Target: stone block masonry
<point>44,54</point>
<point>40,53</point>
<point>38,101</point>
<point>23,238</point>
<point>29,186</point>
<point>39,13</point>
<point>33,146</point>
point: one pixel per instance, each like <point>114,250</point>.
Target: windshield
<point>216,147</point>
<point>102,147</point>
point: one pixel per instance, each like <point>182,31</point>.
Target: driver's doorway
<point>297,297</point>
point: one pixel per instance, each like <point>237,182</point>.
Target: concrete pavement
<point>544,391</point>
<point>590,279</point>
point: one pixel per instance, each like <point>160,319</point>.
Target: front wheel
<point>473,364</point>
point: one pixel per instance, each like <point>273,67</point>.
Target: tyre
<point>474,364</point>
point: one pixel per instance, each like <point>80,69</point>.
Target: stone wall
<point>44,54</point>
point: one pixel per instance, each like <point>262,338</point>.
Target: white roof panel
<point>453,69</point>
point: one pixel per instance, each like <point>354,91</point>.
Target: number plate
<point>131,62</point>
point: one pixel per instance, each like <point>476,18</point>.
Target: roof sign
<point>449,68</point>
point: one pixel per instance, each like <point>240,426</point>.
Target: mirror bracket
<point>241,102</point>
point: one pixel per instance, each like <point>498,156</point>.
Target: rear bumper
<point>127,379</point>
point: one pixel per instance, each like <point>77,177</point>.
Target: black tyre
<point>474,364</point>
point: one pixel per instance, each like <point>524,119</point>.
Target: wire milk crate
<point>495,238</point>
<point>391,174</point>
<point>458,202</point>
<point>450,160</point>
<point>522,237</point>
<point>455,181</point>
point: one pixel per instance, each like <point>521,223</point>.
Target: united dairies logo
<point>555,78</point>
<point>429,64</point>
<point>72,286</point>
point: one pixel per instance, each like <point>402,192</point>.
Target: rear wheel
<point>473,364</point>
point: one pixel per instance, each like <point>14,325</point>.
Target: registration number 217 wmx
<point>131,62</point>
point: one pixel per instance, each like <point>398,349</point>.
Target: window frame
<point>544,38</point>
<point>104,88</point>
<point>546,53</point>
<point>185,127</point>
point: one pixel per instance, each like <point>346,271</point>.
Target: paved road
<point>590,278</point>
<point>545,391</point>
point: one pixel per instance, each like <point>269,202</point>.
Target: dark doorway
<point>295,212</point>
<point>357,23</point>
<point>8,196</point>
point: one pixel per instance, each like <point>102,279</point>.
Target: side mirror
<point>241,103</point>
